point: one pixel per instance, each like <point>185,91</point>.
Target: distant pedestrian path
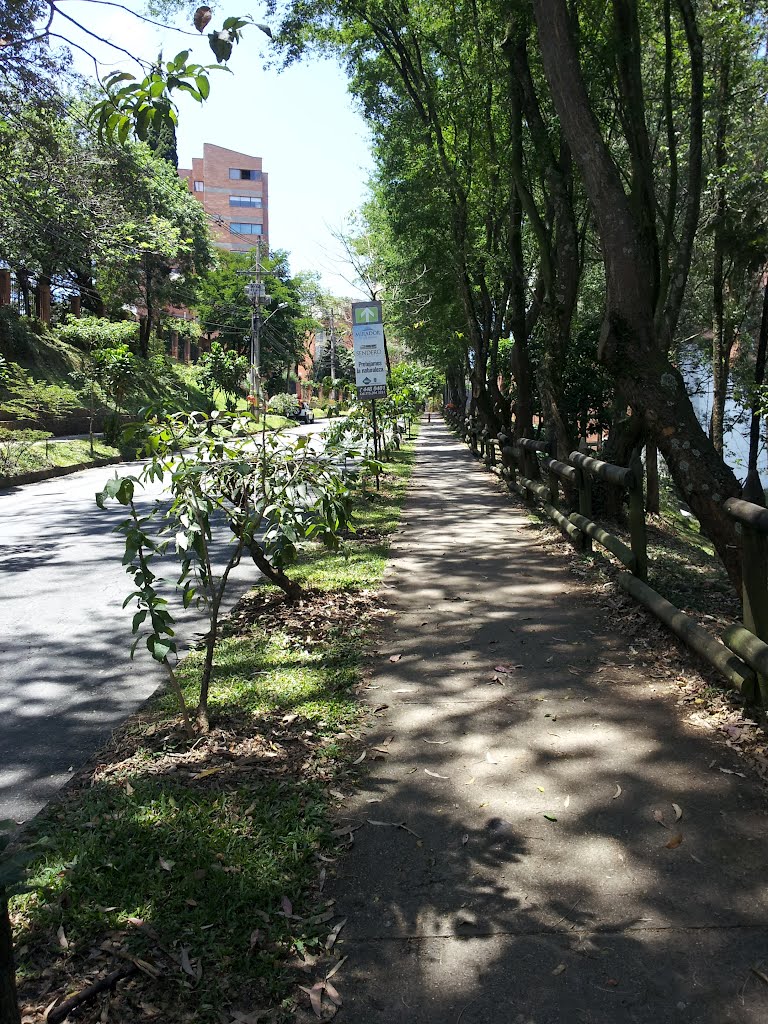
<point>573,852</point>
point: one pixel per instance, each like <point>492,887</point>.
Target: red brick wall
<point>213,171</point>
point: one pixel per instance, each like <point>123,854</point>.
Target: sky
<point>302,123</point>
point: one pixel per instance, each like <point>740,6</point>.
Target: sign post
<point>370,359</point>
<point>368,345</point>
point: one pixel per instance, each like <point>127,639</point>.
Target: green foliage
<point>147,107</point>
<point>142,107</point>
<point>225,370</point>
<point>28,398</point>
<point>227,486</point>
<point>345,367</point>
<point>18,333</point>
<point>15,446</point>
<point>118,372</point>
<point>283,405</point>
<point>91,332</point>
<point>13,865</point>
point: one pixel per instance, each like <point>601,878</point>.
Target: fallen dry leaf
<point>287,906</point>
<point>245,1018</point>
<point>617,794</point>
<point>437,743</point>
<point>63,940</point>
<point>658,816</point>
<point>567,801</point>
<point>395,657</point>
<point>490,758</point>
<point>166,865</point>
<point>675,841</point>
<point>186,965</point>
<point>335,968</point>
<point>332,993</point>
<point>559,969</point>
<point>678,811</point>
<point>334,934</point>
<point>359,759</point>
<point>315,996</point>
<point>434,774</point>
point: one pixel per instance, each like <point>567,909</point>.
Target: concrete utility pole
<point>255,292</point>
<point>332,342</point>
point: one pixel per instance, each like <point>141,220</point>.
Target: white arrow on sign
<point>366,314</point>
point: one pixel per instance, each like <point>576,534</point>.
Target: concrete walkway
<point>493,912</point>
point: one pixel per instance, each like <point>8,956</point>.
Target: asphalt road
<point>66,676</point>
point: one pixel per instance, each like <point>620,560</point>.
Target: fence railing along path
<point>554,486</point>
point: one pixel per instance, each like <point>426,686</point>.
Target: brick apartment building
<point>233,190</point>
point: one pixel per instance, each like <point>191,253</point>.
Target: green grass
<point>169,850</point>
<point>40,455</point>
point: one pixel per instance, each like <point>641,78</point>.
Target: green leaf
<point>203,86</point>
<point>179,61</point>
<point>221,45</point>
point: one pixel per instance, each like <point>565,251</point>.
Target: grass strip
<point>42,455</point>
<point>203,862</point>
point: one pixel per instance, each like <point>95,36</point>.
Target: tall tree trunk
<point>721,345</point>
<point>631,347</point>
<point>22,282</point>
<point>753,489</point>
<point>652,496</point>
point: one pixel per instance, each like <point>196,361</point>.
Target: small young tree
<point>265,497</point>
<point>225,370</point>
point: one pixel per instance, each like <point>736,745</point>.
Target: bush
<point>117,370</point>
<point>283,405</point>
<point>94,332</point>
<point>28,399</point>
<point>18,333</point>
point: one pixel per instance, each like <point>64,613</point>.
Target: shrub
<point>29,398</point>
<point>283,405</point>
<point>94,332</point>
<point>18,333</point>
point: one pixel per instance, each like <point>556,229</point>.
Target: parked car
<point>303,414</point>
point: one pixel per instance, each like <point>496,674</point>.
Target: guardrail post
<point>522,463</point>
<point>554,489</point>
<point>584,484</point>
<point>637,530</point>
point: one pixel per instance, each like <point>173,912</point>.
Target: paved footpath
<point>496,913</point>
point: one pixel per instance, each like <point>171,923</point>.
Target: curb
<point>6,482</point>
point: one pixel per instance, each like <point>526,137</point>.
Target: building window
<point>252,201</point>
<point>199,186</point>
<point>246,229</point>
<point>239,174</point>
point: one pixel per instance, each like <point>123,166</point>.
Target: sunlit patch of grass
<point>52,454</point>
